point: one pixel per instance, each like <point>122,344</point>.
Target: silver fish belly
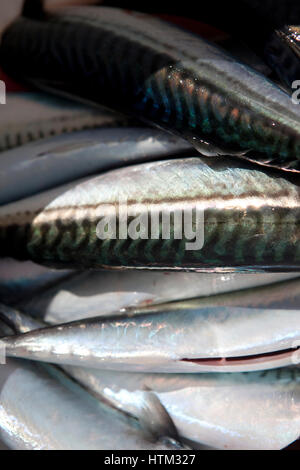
<point>41,409</point>
<point>102,293</point>
<point>212,339</point>
<point>51,162</point>
<point>254,410</point>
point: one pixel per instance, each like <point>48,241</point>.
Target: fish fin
<point>33,9</point>
<point>156,420</point>
<point>210,150</point>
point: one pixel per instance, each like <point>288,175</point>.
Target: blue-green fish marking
<point>161,74</point>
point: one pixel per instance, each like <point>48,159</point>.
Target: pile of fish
<point>141,340</point>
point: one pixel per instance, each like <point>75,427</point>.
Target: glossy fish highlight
<point>250,219</point>
<point>42,409</point>
<point>91,294</point>
<point>57,160</point>
<point>161,74</point>
<point>253,410</point>
<point>182,339</point>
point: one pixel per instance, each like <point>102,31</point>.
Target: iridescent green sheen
<point>161,74</point>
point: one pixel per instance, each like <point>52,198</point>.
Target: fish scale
<point>153,70</point>
<point>251,219</point>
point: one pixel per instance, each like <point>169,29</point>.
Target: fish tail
<point>156,420</point>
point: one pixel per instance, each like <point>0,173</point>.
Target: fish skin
<point>251,219</point>
<point>22,425</point>
<point>41,409</point>
<point>172,340</point>
<point>195,89</point>
<point>281,295</point>
<point>244,54</point>
<point>30,116</point>
<point>59,296</point>
<point>91,294</point>
<point>34,167</point>
<point>240,411</point>
<point>262,408</point>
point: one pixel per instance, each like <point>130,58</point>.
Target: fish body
<point>161,74</point>
<point>212,339</point>
<point>59,296</point>
<point>266,17</point>
<point>253,410</point>
<point>244,219</point>
<point>34,168</point>
<point>30,116</point>
<point>42,409</point>
<point>94,293</point>
<point>64,416</point>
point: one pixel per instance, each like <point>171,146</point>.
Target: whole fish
<point>94,293</point>
<point>33,168</point>
<point>254,410</point>
<point>283,53</point>
<point>240,218</point>
<point>32,116</point>
<point>41,409</point>
<point>212,339</point>
<point>161,74</point>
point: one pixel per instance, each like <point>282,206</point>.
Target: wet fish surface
<point>34,167</point>
<point>184,339</point>
<point>41,409</point>
<point>251,219</point>
<point>30,116</point>
<point>251,410</point>
<point>71,418</point>
<point>266,17</point>
<point>259,410</point>
<point>94,293</point>
<point>194,89</point>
